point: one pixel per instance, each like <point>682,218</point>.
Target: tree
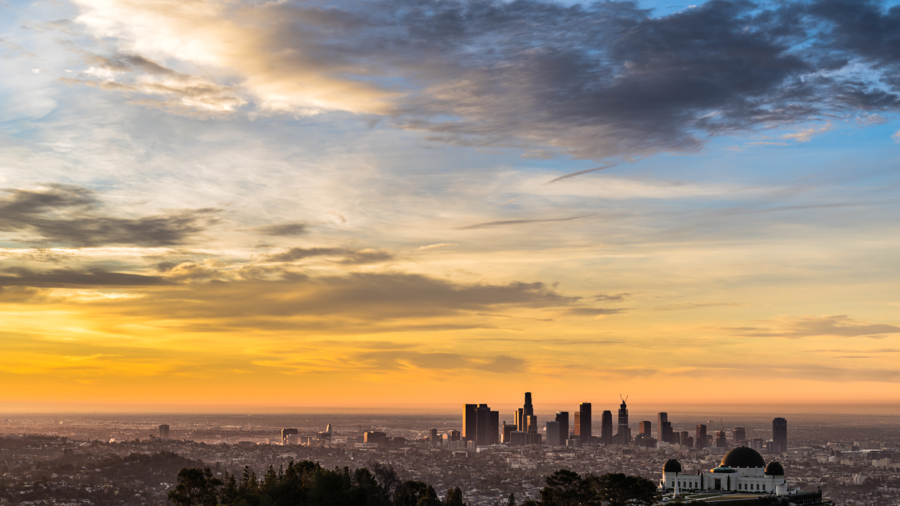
<point>617,489</point>
<point>454,497</point>
<point>512,500</point>
<point>196,487</point>
<point>565,488</point>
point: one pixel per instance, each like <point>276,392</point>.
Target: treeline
<point>309,484</point>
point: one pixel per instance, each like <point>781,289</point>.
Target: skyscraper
<point>553,433</point>
<point>721,439</point>
<point>779,435</point>
<point>738,435</point>
<point>606,428</point>
<point>508,429</point>
<point>660,420</point>
<point>287,432</point>
<point>531,424</point>
<point>563,418</point>
<point>700,440</point>
<point>482,425</point>
<point>624,433</point>
<point>528,408</point>
<point>164,431</point>
<point>469,427</point>
<point>494,429</point>
<point>520,420</point>
<point>583,423</point>
<point>645,429</point>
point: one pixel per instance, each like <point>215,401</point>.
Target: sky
<point>385,204</point>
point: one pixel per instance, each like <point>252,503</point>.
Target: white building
<point>741,470</point>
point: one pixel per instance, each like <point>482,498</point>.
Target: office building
<point>494,437</point>
<point>624,433</point>
<point>583,423</point>
<point>469,422</point>
<point>288,432</point>
<point>685,439</point>
<point>482,425</point>
<point>528,408</point>
<point>738,436</point>
<point>553,438</point>
<point>520,419</point>
<point>531,424</point>
<point>721,439</point>
<point>644,428</point>
<point>562,417</point>
<point>700,439</point>
<point>661,418</point>
<point>453,435</point>
<point>518,438</point>
<point>433,437</point>
<point>508,428</point>
<point>779,435</point>
<point>606,428</point>
<point>164,431</point>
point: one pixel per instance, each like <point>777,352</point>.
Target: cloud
<point>438,245</point>
<point>492,224</point>
<point>594,80</point>
<point>439,361</point>
<point>64,278</point>
<point>693,305</point>
<point>580,172</point>
<point>351,257</point>
<point>73,216</point>
<point>611,297</point>
<point>285,229</point>
<point>816,326</point>
<point>592,311</point>
<point>807,134</point>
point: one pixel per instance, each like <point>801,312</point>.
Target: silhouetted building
<point>562,417</point>
<point>738,436</point>
<point>164,431</point>
<point>606,428</point>
<point>700,439</point>
<point>779,435</point>
<point>531,424</point>
<point>375,437</point>
<point>624,433</point>
<point>583,423</point>
<point>453,435</point>
<point>553,438</point>
<point>520,419</point>
<point>483,425</point>
<point>494,428</point>
<point>661,418</point>
<point>685,439</point>
<point>469,425</point>
<point>518,438</point>
<point>528,408</point>
<point>645,429</point>
<point>434,437</point>
<point>721,439</point>
<point>508,428</point>
<point>288,432</point>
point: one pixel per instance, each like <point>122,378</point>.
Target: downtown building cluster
<point>481,426</point>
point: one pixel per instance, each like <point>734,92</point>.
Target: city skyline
<point>277,207</point>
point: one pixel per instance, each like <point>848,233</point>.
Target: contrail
<point>580,172</point>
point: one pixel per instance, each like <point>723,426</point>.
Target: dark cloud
<point>350,256</point>
<point>285,229</point>
<point>813,326</point>
<point>66,278</point>
<point>492,224</point>
<point>608,79</point>
<point>611,297</point>
<point>73,216</point>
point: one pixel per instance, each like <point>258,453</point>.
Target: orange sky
<point>206,207</point>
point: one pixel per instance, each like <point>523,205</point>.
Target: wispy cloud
<point>504,223</point>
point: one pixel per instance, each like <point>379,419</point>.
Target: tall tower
<point>583,423</point>
<point>779,434</point>
<point>646,429</point>
<point>606,428</point>
<point>562,417</point>
<point>164,431</point>
<point>624,433</point>
<point>494,428</point>
<point>700,442</point>
<point>483,425</point>
<point>661,420</point>
<point>469,424</point>
<point>529,408</point>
